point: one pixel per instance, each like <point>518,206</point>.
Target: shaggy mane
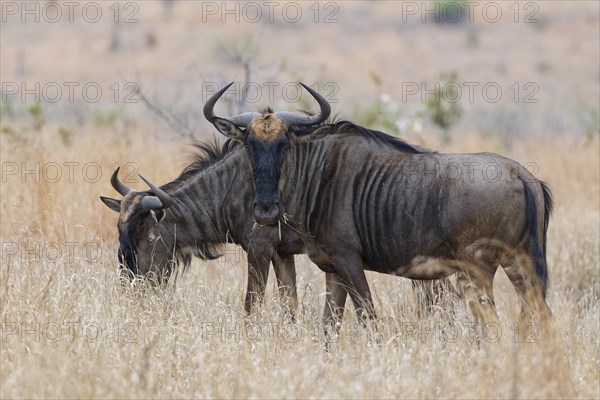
<point>346,127</point>
<point>206,153</point>
<point>333,126</point>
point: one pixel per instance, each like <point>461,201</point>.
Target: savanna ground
<point>70,330</point>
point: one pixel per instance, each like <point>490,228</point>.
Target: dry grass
<point>194,341</point>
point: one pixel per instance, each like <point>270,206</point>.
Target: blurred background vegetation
<point>543,59</point>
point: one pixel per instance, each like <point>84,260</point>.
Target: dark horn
<point>166,200</point>
<point>241,120</point>
<point>210,104</point>
<point>118,186</point>
<point>151,203</point>
<point>293,119</point>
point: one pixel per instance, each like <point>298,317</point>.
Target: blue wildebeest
<point>208,205</point>
<point>369,201</point>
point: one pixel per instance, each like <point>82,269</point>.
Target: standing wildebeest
<point>371,201</point>
<point>208,205</point>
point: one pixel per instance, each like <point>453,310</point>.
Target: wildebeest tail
<point>537,239</point>
<point>548,206</point>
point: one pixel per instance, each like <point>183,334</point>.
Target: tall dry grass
<point>69,330</point>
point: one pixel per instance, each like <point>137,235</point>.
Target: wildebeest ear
<point>113,204</point>
<point>228,129</point>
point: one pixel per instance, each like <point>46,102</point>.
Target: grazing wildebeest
<point>371,201</point>
<point>208,205</point>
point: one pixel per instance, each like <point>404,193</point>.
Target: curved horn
<point>118,186</point>
<point>241,120</point>
<point>293,119</point>
<point>166,201</point>
<point>151,203</point>
<point>210,104</point>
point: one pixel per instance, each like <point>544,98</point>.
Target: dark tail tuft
<point>548,207</point>
<point>538,246</point>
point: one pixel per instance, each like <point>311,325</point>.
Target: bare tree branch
<point>174,124</point>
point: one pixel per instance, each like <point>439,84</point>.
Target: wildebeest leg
<point>285,273</point>
<point>259,258</point>
<point>520,269</point>
<point>351,272</point>
<point>476,277</point>
<point>477,286</point>
<point>335,301</point>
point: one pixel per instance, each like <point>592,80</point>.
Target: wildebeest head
<point>142,249</point>
<point>266,136</point>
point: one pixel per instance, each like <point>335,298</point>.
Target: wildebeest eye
<point>151,237</point>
